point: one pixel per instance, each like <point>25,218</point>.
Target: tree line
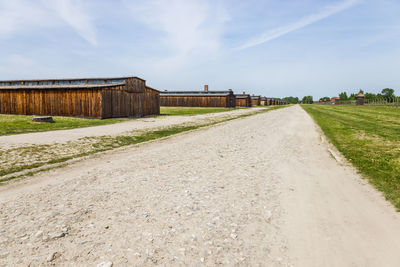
<point>296,100</point>
<point>386,94</point>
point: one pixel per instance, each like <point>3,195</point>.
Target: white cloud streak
<point>20,16</point>
<point>73,13</point>
<point>187,27</point>
<point>278,32</point>
<point>17,15</point>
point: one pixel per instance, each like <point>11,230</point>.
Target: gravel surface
<point>258,191</point>
<point>63,136</point>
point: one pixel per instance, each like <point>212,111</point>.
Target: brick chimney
<point>205,88</point>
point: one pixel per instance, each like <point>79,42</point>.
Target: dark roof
<point>255,97</point>
<point>242,96</point>
<point>76,79</point>
<point>196,93</point>
<point>263,98</point>
<point>60,86</point>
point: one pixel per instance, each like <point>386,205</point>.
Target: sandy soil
<point>63,136</point>
<point>258,191</point>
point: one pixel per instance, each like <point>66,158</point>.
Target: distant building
<point>206,98</point>
<point>243,100</point>
<point>335,100</point>
<point>255,100</point>
<point>263,101</point>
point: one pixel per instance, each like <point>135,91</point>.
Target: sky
<point>274,48</point>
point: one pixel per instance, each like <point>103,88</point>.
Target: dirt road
<point>258,191</point>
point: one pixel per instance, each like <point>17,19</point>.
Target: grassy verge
<point>369,137</point>
<point>32,157</point>
<point>185,111</point>
<point>18,124</point>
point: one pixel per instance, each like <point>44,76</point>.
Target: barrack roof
<point>242,96</point>
<point>196,93</point>
<point>76,79</point>
<point>61,86</point>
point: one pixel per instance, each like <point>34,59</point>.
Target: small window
<point>61,82</point>
<point>78,82</point>
<point>92,81</point>
<point>45,83</point>
<point>30,83</point>
<point>16,83</point>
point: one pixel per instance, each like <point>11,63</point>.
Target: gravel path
<point>258,191</point>
<point>63,136</point>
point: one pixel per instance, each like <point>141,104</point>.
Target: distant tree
<point>291,99</point>
<point>388,94</point>
<point>307,100</point>
<point>361,91</point>
<point>325,99</point>
<point>352,96</point>
<point>370,96</point>
<point>343,96</point>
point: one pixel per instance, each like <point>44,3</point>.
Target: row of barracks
<point>103,98</point>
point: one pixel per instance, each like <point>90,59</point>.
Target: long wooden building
<point>223,99</point>
<point>243,100</point>
<point>255,100</point>
<point>263,101</point>
<point>87,97</point>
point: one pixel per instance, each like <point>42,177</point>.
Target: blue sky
<point>273,47</point>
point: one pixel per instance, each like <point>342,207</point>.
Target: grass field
<point>369,137</point>
<point>17,124</point>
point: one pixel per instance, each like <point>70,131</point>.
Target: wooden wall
<point>255,102</point>
<point>119,102</point>
<point>54,102</point>
<point>243,102</point>
<point>151,102</point>
<point>131,100</point>
<point>198,101</point>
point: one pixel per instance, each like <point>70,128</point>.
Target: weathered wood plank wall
<point>243,102</point>
<point>196,101</point>
<point>129,98</point>
<point>151,101</point>
<point>255,102</point>
<point>77,103</point>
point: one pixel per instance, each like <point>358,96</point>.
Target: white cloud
<point>18,16</point>
<point>74,13</point>
<point>278,32</point>
<point>189,27</point>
